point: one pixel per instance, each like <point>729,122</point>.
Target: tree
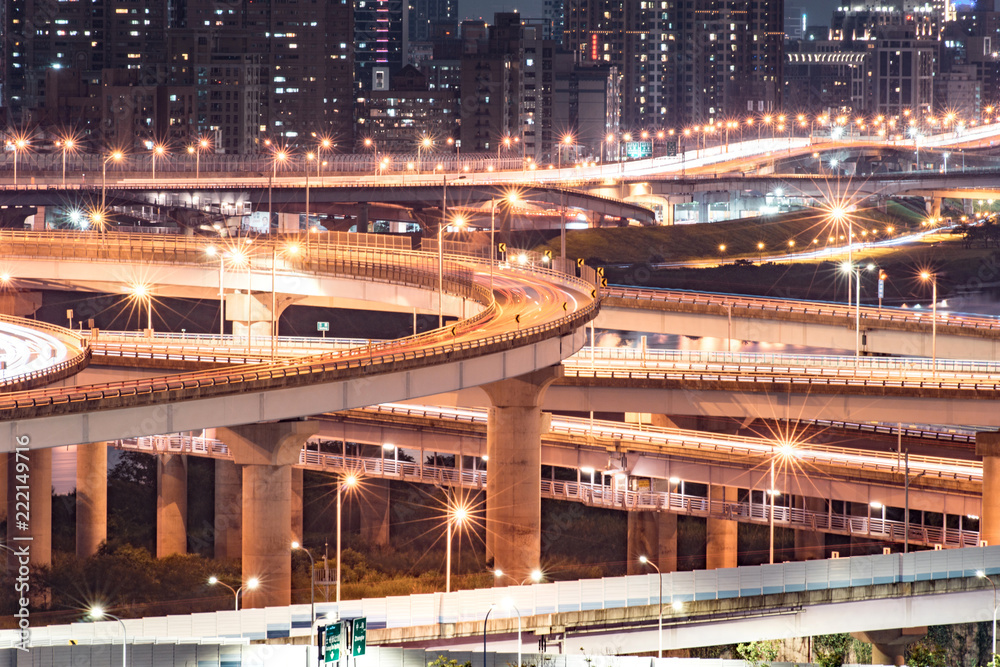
<point>758,654</point>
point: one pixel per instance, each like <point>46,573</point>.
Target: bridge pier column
<point>933,205</point>
<point>669,213</point>
<point>703,211</point>
<point>297,505</point>
<point>810,544</point>
<point>171,505</point>
<point>361,216</point>
<point>969,206</point>
<point>654,535</point>
<point>91,498</point>
<point>228,510</point>
<point>39,471</point>
<point>267,453</point>
<point>513,486</point>
<point>374,507</point>
<point>988,447</point>
<point>721,534</point>
<point>38,220</point>
<point>889,646</point>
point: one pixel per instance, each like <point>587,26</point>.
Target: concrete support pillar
<point>362,218</point>
<point>38,220</point>
<point>38,468</point>
<point>988,447</point>
<point>721,534</point>
<point>669,210</point>
<point>810,544</point>
<point>91,498</point>
<point>374,505</point>
<point>889,646</point>
<point>969,206</point>
<point>933,205</point>
<point>703,211</point>
<point>267,453</point>
<point>296,505</point>
<point>228,510</point>
<point>654,535</point>
<point>171,505</point>
<point>513,487</point>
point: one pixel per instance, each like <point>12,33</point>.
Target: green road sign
<point>322,326</point>
<point>332,641</point>
<point>359,635</point>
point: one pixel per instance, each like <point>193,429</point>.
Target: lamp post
<point>159,150</point>
<point>456,516</point>
<point>770,519</point>
<point>457,143</point>
<point>114,155</point>
<point>324,145</point>
<point>659,625</point>
<point>982,575</point>
<point>280,155</point>
<point>425,142</point>
<point>312,588</point>
<point>369,143</point>
<point>97,613</point>
<point>927,275</point>
<point>141,292</point>
<point>19,144</point>
<point>251,584</point>
<point>67,145</point>
<point>211,251</point>
<point>309,156</point>
<point>350,481</point>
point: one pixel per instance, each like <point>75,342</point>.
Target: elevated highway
<point>893,331</point>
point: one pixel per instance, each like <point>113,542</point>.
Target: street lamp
<point>425,143</point>
<point>117,156</point>
<point>312,587</point>
<point>659,626</point>
<point>982,575</point>
<point>159,150</point>
<point>68,144</point>
<point>251,584</point>
<point>349,480</point>
<point>785,450</point>
<point>927,275</point>
<point>280,155</point>
<point>457,514</point>
<point>18,144</point>
<point>324,145</point>
<point>97,613</point>
<point>141,292</point>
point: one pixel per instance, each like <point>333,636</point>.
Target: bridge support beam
<point>91,498</point>
<point>297,505</point>
<point>654,535</point>
<point>267,453</point>
<point>721,534</point>
<point>810,544</point>
<point>513,487</point>
<point>39,471</point>
<point>171,505</point>
<point>988,447</point>
<point>374,505</point>
<point>228,510</point>
<point>889,646</point>
<point>933,205</point>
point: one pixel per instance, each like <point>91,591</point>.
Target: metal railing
<point>75,343</point>
<point>811,308</point>
<point>596,495</point>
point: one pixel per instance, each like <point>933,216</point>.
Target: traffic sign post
<point>359,636</point>
<point>323,327</point>
<point>332,643</point>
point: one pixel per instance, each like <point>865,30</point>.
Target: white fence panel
<point>706,584</point>
<point>448,610</point>
<point>154,626</point>
<point>399,612</point>
<point>794,577</point>
<point>545,598</point>
<point>641,589</point>
<point>817,572</point>
<point>568,594</point>
<point>885,569</point>
<point>591,594</point>
<point>254,625</point>
<point>614,592</point>
<point>422,609</point>
<point>683,588</point>
<point>750,581</point>
<point>861,570</point>
<point>772,579</point>
<point>279,621</point>
<point>728,581</point>
<point>839,573</point>
<point>375,611</point>
<point>973,561</point>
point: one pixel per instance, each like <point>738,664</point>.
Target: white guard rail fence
<point>549,598</point>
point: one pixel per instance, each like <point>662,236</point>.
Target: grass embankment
<point>630,245</point>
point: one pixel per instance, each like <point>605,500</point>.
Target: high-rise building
<point>381,34</point>
<point>683,62</point>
